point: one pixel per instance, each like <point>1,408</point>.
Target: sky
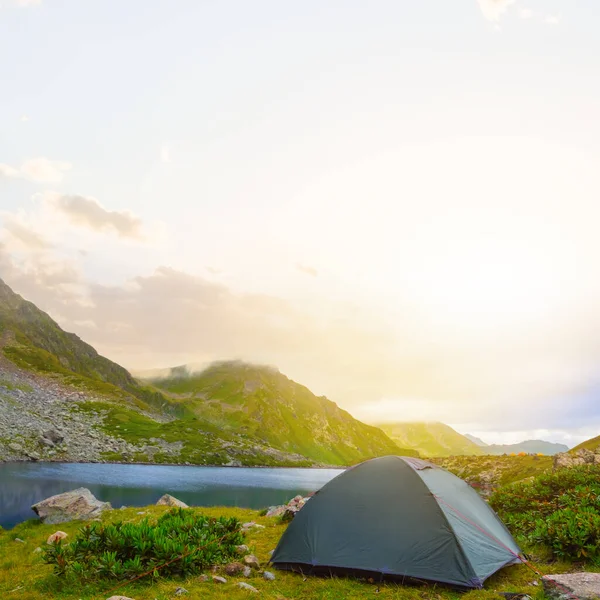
<point>395,203</point>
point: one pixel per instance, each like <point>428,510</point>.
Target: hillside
<point>592,444</point>
<point>61,400</point>
<point>431,439</point>
<point>33,341</point>
<point>487,473</point>
<point>261,402</point>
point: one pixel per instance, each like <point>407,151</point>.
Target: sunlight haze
<point>394,203</point>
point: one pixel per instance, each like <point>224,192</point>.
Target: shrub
<point>125,550</point>
<point>559,510</point>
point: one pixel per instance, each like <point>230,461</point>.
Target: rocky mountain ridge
<point>61,400</point>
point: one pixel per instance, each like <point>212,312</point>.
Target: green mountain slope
<point>33,341</point>
<point>431,439</point>
<point>592,444</point>
<point>261,402</point>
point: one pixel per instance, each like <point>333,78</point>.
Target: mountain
<point>262,402</point>
<point>528,446</point>
<point>591,444</point>
<point>61,400</point>
<point>475,440</point>
<point>431,439</point>
<point>33,341</point>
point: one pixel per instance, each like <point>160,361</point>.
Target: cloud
<point>494,9</point>
<point>26,3</point>
<point>552,19</point>
<point>165,154</point>
<point>24,118</point>
<point>526,13</point>
<point>88,212</point>
<point>307,270</point>
<point>42,170</point>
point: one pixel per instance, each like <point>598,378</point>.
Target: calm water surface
<point>24,484</point>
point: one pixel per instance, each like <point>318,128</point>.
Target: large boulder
<point>79,504</point>
<point>583,586</point>
<point>168,500</point>
<point>581,457</point>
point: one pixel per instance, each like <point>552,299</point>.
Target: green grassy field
<point>25,576</point>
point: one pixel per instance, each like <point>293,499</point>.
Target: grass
<point>25,576</point>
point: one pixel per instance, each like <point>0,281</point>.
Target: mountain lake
<point>24,484</point>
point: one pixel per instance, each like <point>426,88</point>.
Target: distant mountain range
<point>528,446</point>
<point>475,440</point>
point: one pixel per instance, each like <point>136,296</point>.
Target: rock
<point>54,436</point>
<point>247,572</point>
<point>15,447</point>
<point>57,535</point>
<point>37,550</point>
<point>203,578</point>
<point>19,540</point>
<point>234,568</point>
<point>275,511</point>
<point>168,500</point>
<point>218,579</point>
<point>581,457</point>
<point>79,504</point>
<point>247,587</point>
<point>119,598</point>
<point>268,576</point>
<point>242,549</point>
<point>180,591</point>
<point>583,586</point>
<point>252,524</point>
<point>252,561</point>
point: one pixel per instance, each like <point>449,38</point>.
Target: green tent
<point>398,517</point>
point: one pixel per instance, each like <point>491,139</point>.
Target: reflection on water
<point>24,484</point>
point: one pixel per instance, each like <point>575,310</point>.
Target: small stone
<point>218,579</point>
<point>180,591</point>
<point>15,447</point>
<point>119,598</point>
<point>247,572</point>
<point>37,550</point>
<point>268,576</point>
<point>252,561</point>
<point>57,535</point>
<point>242,549</point>
<point>203,578</point>
<point>19,540</point>
<point>168,500</point>
<point>246,586</point>
<point>234,568</point>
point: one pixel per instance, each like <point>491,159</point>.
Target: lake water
<point>24,484</point>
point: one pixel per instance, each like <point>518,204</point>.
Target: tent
<point>398,517</point>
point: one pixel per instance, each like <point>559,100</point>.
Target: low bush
<point>559,510</point>
<point>179,543</point>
